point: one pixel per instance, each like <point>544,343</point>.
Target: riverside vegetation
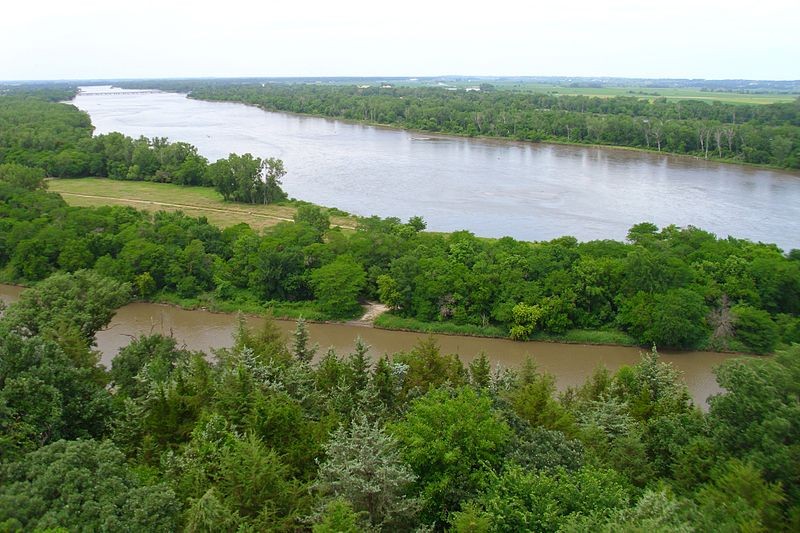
<point>680,288</point>
<point>270,435</point>
<point>747,133</point>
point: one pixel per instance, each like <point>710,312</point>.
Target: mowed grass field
<point>194,201</point>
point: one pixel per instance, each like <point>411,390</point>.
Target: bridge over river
<point>118,92</point>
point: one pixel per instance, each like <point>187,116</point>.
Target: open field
<point>194,201</point>
<point>652,92</point>
<point>671,93</point>
<point>730,91</point>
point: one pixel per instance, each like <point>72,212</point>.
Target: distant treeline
<point>45,90</point>
<point>37,132</point>
<point>758,134</point>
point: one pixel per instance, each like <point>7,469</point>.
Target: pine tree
<point>364,467</point>
<point>300,347</point>
<point>480,372</point>
<point>360,365</point>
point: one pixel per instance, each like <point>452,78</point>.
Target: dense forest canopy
<point>672,287</point>
<point>269,435</point>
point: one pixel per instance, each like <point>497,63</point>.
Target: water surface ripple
<point>492,188</point>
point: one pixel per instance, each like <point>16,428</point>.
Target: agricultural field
<point>194,201</point>
<point>651,92</point>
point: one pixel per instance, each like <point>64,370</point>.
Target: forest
<point>678,288</point>
<point>672,287</point>
<point>745,133</point>
<point>273,435</point>
<point>37,131</point>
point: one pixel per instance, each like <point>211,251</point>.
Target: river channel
<point>571,364</point>
<point>492,188</point>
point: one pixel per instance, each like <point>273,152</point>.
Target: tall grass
<point>250,306</point>
<point>573,336</point>
<point>392,321</point>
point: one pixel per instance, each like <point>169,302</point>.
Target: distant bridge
<point>119,93</point>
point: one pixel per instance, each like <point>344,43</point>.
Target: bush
<point>755,329</point>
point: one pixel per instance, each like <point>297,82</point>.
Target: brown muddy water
<point>571,364</point>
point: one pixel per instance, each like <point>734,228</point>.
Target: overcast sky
<point>60,39</point>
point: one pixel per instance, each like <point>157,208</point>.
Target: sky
<point>108,39</point>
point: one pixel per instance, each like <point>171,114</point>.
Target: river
<point>492,188</point>
<point>571,364</point>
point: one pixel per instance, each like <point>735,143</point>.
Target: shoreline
<point>511,141</point>
<point>361,324</point>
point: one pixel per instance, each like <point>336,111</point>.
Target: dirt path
<point>188,206</point>
<point>372,310</point>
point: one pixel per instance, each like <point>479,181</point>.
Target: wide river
<point>492,188</point>
<point>571,364</point>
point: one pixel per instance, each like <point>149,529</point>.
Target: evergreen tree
<point>300,345</point>
<point>363,466</point>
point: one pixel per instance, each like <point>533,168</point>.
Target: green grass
<point>243,303</point>
<point>652,92</point>
<point>392,321</point>
<point>574,336</point>
<point>677,93</point>
<point>194,201</point>
<point>589,336</point>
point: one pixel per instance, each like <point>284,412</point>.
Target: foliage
<point>263,436</point>
<point>756,418</point>
<point>22,176</point>
<point>539,449</point>
<point>651,388</point>
<point>46,396</point>
<point>452,442</point>
<point>755,329</point>
<point>363,467</point>
<point>301,349</point>
<point>470,519</point>
<point>208,515</point>
<point>314,216</point>
<point>82,485</point>
<point>761,134</point>
<point>426,367</point>
<point>337,286</point>
<point>248,179</point>
<point>338,517</point>
<point>526,317</point>
<point>738,499</point>
<point>654,512</point>
<point>663,287</point>
<point>418,441</point>
<point>251,485</point>
<point>146,360</point>
<point>518,500</point>
<point>674,319</point>
<point>83,301</point>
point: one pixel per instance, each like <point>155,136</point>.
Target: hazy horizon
<point>389,77</point>
<point>44,40</point>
